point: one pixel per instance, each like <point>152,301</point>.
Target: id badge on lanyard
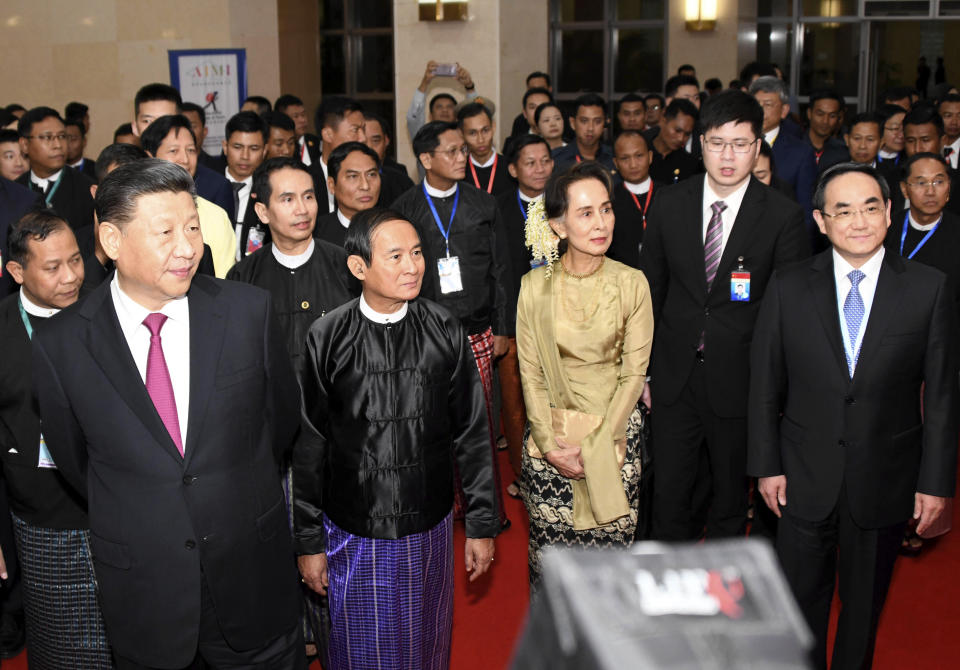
<point>740,283</point>
<point>254,239</point>
<point>448,267</point>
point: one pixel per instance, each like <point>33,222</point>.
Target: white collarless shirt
<point>955,154</point>
<point>344,221</point>
<point>293,262</point>
<point>867,287</point>
<point>33,309</point>
<point>772,135</point>
<point>45,184</point>
<point>639,188</point>
<point>174,338</point>
<point>304,152</point>
<point>379,317</point>
<point>729,215</point>
<point>437,193</point>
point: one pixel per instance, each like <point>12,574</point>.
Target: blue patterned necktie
<point>853,310</point>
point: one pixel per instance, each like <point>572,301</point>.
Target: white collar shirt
<point>867,287</point>
<point>729,215</point>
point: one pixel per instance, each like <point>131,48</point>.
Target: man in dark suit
<point>671,163</point>
<point>486,169</point>
<point>704,236</point>
<point>15,201</point>
<point>355,181</point>
<point>198,122</point>
<point>796,163</point>
<point>43,140</point>
<point>394,179</point>
<point>76,144</point>
<point>308,145</point>
<point>923,132</point>
<point>188,526</point>
<point>853,411</point>
<point>632,197</point>
<point>338,120</point>
<point>588,122</point>
<point>244,147</point>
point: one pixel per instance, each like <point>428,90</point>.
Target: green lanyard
<point>26,319</point>
<point>49,196</point>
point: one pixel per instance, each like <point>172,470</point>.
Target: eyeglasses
<point>869,213</point>
<point>452,153</point>
<point>717,146</point>
<point>936,183</point>
<point>47,139</point>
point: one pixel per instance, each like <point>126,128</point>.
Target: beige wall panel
<point>524,32</point>
<point>299,50</point>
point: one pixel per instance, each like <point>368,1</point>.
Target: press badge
<point>45,460</point>
<point>449,269</point>
<point>254,240</point>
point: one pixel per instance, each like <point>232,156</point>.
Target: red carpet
<point>920,626</point>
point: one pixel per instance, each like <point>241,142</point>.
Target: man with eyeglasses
<point>653,103</point>
<point>923,131</point>
<point>847,349</point>
<point>705,236</point>
<point>466,254</point>
<point>43,139</point>
<point>794,158</point>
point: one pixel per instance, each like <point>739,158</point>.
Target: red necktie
<point>158,381</point>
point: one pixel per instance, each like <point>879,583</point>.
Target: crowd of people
<point>246,396</point>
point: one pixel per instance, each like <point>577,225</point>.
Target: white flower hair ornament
<point>540,238</point>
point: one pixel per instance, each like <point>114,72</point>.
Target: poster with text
<point>215,79</point>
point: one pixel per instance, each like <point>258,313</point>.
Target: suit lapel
<point>692,220</point>
<point>748,217</point>
<point>823,287</point>
<point>206,341</point>
<point>111,352</point>
<point>885,301</point>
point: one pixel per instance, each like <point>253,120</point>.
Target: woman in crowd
<point>584,331</point>
<point>549,124</point>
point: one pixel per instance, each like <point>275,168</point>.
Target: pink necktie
<point>158,380</point>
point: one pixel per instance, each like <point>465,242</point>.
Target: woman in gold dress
<point>584,330</point>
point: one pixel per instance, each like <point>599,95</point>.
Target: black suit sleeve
<point>767,388</point>
<point>938,464</point>
<point>500,278</point>
<point>653,260</point>
<point>59,425</point>
<point>793,243</point>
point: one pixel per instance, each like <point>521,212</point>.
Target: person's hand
<point>566,459</point>
<point>463,76</point>
<point>774,492</point>
<point>645,396</point>
<point>926,509</point>
<point>428,76</point>
<point>3,566</point>
<point>313,569</point>
<point>501,344</point>
<point>478,555</point>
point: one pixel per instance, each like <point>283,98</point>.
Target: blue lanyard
<point>523,210</point>
<point>26,319</point>
<point>903,236</point>
<point>436,217</point>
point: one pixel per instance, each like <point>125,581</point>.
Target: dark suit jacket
<point>329,229</point>
<point>89,168</point>
<point>15,201</point>
<point>867,433</point>
<point>768,233</point>
<point>160,522</point>
<point>72,200</point>
<point>213,186</point>
<point>313,147</point>
<point>564,157</point>
<point>941,251</point>
<point>796,165</point>
<point>629,223</point>
<point>215,163</point>
<point>394,182</point>
<point>252,220</point>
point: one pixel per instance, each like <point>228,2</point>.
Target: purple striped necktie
<point>158,381</point>
<point>713,245</point>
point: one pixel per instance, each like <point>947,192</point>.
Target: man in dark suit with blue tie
<point>795,160</point>
<point>853,410</point>
<point>168,400</point>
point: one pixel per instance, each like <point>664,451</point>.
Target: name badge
<point>254,240</point>
<point>537,263</point>
<point>449,269</point>
<point>45,460</point>
<point>740,286</point>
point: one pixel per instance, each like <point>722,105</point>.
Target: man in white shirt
<point>338,120</point>
<point>949,109</point>
<point>245,146</point>
<point>183,480</point>
<point>355,181</point>
<point>853,411</point>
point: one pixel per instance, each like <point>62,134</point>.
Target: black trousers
<point>11,594</point>
<point>810,552</point>
<point>680,431</point>
<point>287,652</point>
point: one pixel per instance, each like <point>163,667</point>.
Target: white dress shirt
<point>488,163</point>
<point>437,193</point>
<point>45,184</point>
<point>344,221</point>
<point>528,199</point>
<point>637,189</point>
<point>304,151</point>
<point>293,262</point>
<point>955,154</point>
<point>771,136</point>
<point>868,288</point>
<point>378,317</point>
<point>728,216</point>
<point>33,309</point>
<point>243,194</point>
<point>323,166</point>
<point>174,338</point>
